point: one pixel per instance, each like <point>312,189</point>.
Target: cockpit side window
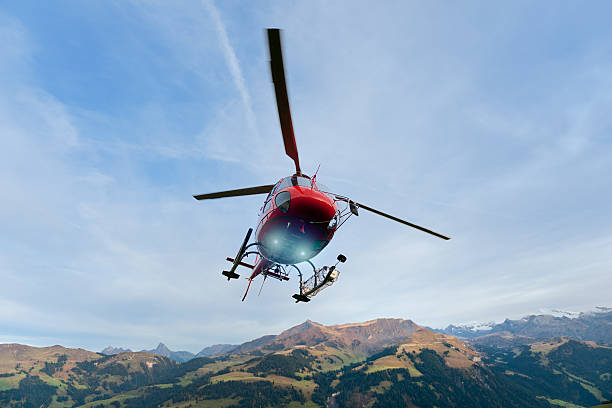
<point>269,198</point>
<point>267,204</point>
<point>282,201</point>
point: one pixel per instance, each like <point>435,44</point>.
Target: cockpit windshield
<point>294,181</point>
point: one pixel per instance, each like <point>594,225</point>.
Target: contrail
<point>232,64</point>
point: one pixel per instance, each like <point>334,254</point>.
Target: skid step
<point>230,275</point>
<point>300,298</point>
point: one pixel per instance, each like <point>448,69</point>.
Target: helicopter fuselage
<point>296,221</point>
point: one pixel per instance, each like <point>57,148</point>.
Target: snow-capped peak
<point>476,326</point>
<point>575,315</point>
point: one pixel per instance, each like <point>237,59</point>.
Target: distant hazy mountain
<point>111,351</point>
<point>180,356</point>
<point>591,326</point>
<point>216,350</point>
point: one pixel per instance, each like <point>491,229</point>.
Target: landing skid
<point>231,274</point>
<point>321,278</point>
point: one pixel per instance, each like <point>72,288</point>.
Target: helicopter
<point>298,218</point>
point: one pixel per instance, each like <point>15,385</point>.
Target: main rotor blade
<point>277,69</point>
<point>365,207</point>
<point>235,193</point>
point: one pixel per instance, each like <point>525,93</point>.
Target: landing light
<point>333,222</point>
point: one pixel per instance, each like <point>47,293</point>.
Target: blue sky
<point>486,122</point>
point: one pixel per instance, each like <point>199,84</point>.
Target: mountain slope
<point>215,350</point>
<point>562,369</point>
<point>22,360</point>
<point>359,337</point>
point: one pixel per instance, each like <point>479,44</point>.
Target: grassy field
<point>307,404</point>
<point>106,402</point>
<point>217,403</point>
<point>307,386</point>
<point>563,403</point>
<point>6,383</point>
<point>391,362</point>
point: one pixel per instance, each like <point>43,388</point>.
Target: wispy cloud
<point>233,65</point>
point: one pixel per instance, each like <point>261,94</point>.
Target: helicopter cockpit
<point>293,181</point>
<point>297,181</point>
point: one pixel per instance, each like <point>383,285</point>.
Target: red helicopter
<point>298,218</point>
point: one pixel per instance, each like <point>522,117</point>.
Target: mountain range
<point>591,326</point>
<point>179,356</point>
<point>378,363</point>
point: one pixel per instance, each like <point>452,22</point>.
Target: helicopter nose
<point>314,207</point>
